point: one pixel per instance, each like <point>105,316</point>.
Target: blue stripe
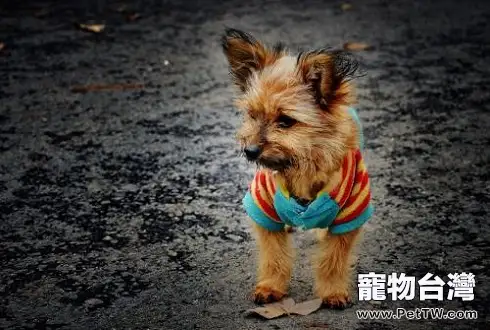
<point>257,215</point>
<point>354,223</point>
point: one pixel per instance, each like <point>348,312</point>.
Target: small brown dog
<point>300,129</point>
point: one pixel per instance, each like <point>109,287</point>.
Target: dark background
<point>121,209</point>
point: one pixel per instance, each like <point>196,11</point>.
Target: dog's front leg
<point>333,265</point>
<point>274,264</point>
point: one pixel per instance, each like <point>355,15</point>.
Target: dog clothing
<point>341,209</point>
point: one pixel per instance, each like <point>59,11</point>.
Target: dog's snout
<point>252,152</point>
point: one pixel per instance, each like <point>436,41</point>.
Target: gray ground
<point>121,210</point>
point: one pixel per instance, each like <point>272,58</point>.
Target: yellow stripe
<point>281,186</point>
<point>361,167</point>
<point>356,188</point>
<point>357,185</point>
<point>358,201</point>
<point>268,184</point>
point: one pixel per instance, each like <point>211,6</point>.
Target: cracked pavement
<point>122,209</point>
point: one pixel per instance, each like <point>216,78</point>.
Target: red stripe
<point>263,204</point>
<point>358,155</point>
<point>357,212</point>
<point>364,180</point>
<point>348,188</point>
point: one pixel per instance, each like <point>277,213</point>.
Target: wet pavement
<point>121,209</point>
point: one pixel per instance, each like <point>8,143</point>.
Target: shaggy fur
<point>294,109</point>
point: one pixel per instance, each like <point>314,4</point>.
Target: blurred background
<point>121,182</point>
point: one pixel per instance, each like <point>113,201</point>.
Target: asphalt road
<point>121,209</point>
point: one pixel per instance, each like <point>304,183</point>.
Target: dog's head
<point>293,106</point>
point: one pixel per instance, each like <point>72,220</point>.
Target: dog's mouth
<point>275,164</point>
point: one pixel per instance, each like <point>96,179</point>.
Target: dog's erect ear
<point>246,55</point>
<point>328,74</point>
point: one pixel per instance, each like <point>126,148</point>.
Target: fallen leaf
<point>307,307</point>
<point>346,6</point>
<point>269,312</point>
<point>94,28</point>
<point>287,303</point>
<point>102,87</point>
<point>2,46</point>
<point>132,17</point>
<point>286,307</point>
<point>273,310</point>
<point>357,46</point>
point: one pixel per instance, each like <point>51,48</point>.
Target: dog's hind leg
<point>274,264</point>
<point>333,266</point>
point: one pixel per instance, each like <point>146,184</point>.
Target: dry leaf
<point>287,306</point>
<point>94,28</point>
<point>2,46</point>
<point>346,6</point>
<point>307,307</point>
<point>269,312</point>
<point>133,17</point>
<point>101,87</point>
<point>357,46</point>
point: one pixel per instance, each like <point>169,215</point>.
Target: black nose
<point>252,152</point>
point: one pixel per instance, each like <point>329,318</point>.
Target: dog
<point>301,130</point>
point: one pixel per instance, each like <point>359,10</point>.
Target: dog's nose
<point>252,152</point>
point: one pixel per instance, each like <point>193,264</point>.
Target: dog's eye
<point>285,121</point>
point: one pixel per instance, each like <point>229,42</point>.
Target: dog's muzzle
<point>252,152</point>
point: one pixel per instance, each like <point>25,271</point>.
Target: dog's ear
<point>245,55</point>
<point>328,73</point>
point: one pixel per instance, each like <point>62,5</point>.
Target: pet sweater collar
<point>342,208</point>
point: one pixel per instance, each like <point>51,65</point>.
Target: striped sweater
<point>344,207</point>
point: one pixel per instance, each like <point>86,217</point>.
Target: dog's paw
<point>337,301</point>
<point>265,295</point>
